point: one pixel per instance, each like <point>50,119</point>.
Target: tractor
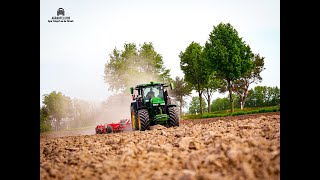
<point>151,105</point>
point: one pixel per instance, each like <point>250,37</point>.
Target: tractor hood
<point>157,101</point>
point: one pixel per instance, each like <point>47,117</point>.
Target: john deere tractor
<point>151,105</point>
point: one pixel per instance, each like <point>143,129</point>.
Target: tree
<point>255,96</point>
<point>59,106</point>
<point>193,65</point>
<point>182,89</point>
<point>222,103</point>
<point>241,86</point>
<point>264,96</point>
<point>260,93</point>
<point>134,66</point>
<point>275,96</point>
<point>44,124</point>
<point>210,87</point>
<point>194,106</point>
<point>228,55</point>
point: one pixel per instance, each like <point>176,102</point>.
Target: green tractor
<point>151,106</point>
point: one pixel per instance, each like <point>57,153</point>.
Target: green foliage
<point>224,103</point>
<point>181,90</point>
<point>241,86</point>
<point>228,55</point>
<point>44,120</point>
<point>194,105</point>
<point>59,112</point>
<point>220,104</point>
<point>237,112</point>
<point>59,106</point>
<point>134,66</point>
<point>261,96</point>
<point>213,84</point>
<point>193,65</point>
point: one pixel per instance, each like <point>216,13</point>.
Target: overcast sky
<point>73,54</point>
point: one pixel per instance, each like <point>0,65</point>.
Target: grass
<point>236,112</point>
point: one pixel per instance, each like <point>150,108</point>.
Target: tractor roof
<point>151,84</point>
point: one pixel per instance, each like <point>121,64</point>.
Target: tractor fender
<point>171,105</point>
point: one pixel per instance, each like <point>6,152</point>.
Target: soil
<point>239,147</point>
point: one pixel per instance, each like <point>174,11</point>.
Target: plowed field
<point>240,147</point>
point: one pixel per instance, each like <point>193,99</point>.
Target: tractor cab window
<point>154,91</point>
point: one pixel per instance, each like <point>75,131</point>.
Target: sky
<point>73,54</point>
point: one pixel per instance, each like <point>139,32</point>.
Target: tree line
<point>225,64</point>
<point>61,112</point>
<point>259,96</point>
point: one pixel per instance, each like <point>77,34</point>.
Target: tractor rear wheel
<point>109,129</point>
<point>173,117</point>
<point>134,118</point>
<point>143,120</point>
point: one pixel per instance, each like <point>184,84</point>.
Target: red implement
<point>124,124</point>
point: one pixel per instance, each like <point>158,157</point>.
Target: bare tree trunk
<point>181,104</point>
<point>245,95</point>
<point>200,98</point>
<point>230,96</point>
<point>241,102</point>
<point>209,105</point>
<point>207,95</point>
<point>53,123</point>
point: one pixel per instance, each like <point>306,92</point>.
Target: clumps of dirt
<point>247,147</point>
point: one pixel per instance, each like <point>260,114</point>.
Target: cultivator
<point>123,125</point>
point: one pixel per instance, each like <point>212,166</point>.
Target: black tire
<point>143,118</point>
<point>109,129</point>
<point>134,123</point>
<point>173,117</point>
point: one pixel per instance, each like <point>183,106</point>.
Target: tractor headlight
<point>163,104</point>
<point>155,104</point>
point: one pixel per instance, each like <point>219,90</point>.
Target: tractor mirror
<point>131,90</point>
<point>171,86</point>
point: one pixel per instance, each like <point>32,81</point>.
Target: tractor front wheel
<point>143,120</point>
<point>173,117</point>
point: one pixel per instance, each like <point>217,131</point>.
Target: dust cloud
<point>138,71</point>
